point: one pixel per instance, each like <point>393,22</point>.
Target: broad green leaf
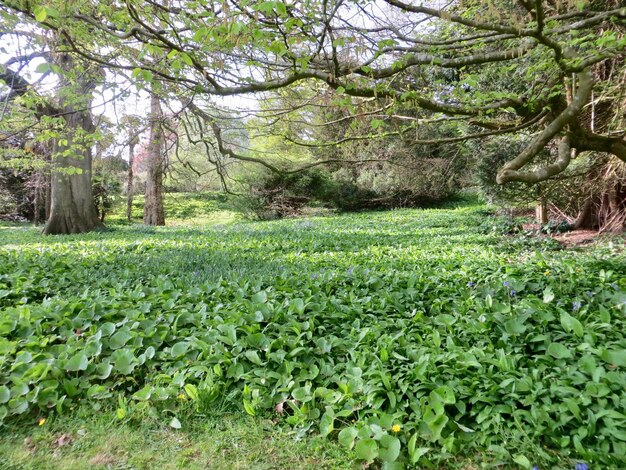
<point>78,361</point>
<point>179,349</point>
<point>522,461</point>
<point>144,394</point>
<point>366,449</point>
<point>41,14</point>
<point>616,357</point>
<point>389,448</point>
<point>570,324</point>
<point>347,436</point>
<point>42,68</point>
<point>327,424</point>
<point>124,361</point>
<point>253,357</point>
<point>119,339</point>
<point>559,351</point>
<point>192,392</point>
<point>5,394</point>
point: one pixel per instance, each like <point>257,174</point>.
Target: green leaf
<point>522,461</point>
<point>559,351</point>
<point>615,357</point>
<point>192,392</point>
<point>366,449</point>
<point>103,370</point>
<point>143,394</point>
<point>253,357</point>
<point>179,349</point>
<point>415,453</point>
<point>446,394</point>
<point>389,448</point>
<point>77,362</point>
<point>436,425</point>
<point>175,423</point>
<point>260,297</point>
<point>5,394</point>
<point>249,408</point>
<point>41,13</point>
<point>186,58</point>
<point>347,437</point>
<point>302,394</point>
<point>124,361</point>
<point>548,295</point>
<point>327,424</point>
<point>569,323</point>
<point>43,68</point>
<point>119,339</point>
<point>515,326</point>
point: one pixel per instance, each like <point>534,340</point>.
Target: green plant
<point>410,336</point>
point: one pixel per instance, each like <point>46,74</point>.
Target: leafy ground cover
<point>412,338</point>
<point>201,208</point>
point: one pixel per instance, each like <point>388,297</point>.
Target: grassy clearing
<point>196,209</point>
<point>413,338</point>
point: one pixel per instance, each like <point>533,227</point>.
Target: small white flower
<point>482,319</point>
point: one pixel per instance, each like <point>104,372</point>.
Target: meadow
<point>407,338</point>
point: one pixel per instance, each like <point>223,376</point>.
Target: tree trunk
<point>541,211</point>
<point>587,217</point>
<point>72,208</point>
<point>153,212</point>
<point>129,181</point>
<point>48,195</point>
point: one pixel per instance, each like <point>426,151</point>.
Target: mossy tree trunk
<point>130,180</point>
<point>72,208</point>
<point>153,212</point>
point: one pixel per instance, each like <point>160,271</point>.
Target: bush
<point>353,188</point>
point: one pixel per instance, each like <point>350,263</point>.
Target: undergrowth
<point>412,337</point>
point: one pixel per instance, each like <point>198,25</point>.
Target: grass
<point>421,338</point>
<point>85,439</point>
<point>196,209</point>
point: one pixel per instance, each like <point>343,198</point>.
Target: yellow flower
<point>182,396</point>
<point>396,428</point>
<point>41,421</point>
<point>547,273</point>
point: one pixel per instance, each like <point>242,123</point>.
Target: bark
<point>541,211</point>
<point>587,219</point>
<point>72,208</point>
<point>511,170</point>
<point>129,181</point>
<point>153,212</point>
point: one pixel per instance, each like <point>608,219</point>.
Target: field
<point>410,338</point>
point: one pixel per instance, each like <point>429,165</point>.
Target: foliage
<point>491,154</point>
<point>185,209</point>
<point>276,195</point>
<point>410,336</point>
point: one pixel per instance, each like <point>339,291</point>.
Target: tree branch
<point>509,171</point>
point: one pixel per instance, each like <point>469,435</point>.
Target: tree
<point>153,212</point>
<point>134,128</point>
<point>72,207</point>
<point>548,55</point>
<point>71,128</point>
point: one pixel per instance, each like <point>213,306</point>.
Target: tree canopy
<point>553,70</point>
